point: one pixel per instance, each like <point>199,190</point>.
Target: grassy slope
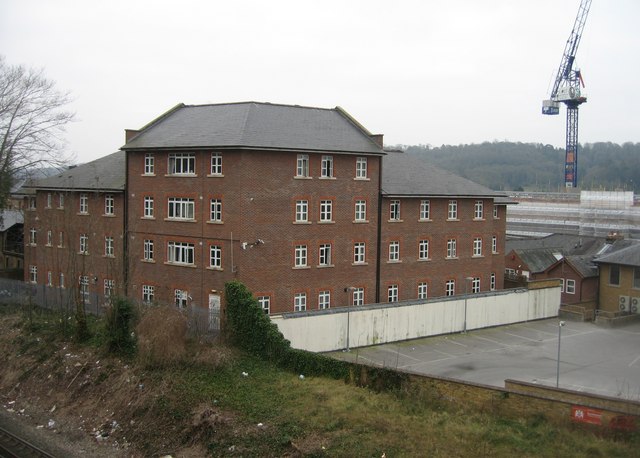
<point>206,403</point>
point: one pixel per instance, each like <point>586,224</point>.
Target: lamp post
<point>466,292</point>
<point>560,325</point>
<point>349,290</point>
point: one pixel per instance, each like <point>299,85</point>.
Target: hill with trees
<point>537,167</point>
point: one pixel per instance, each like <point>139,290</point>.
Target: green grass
<point>318,416</point>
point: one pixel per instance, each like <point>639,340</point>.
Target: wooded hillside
<point>537,167</point>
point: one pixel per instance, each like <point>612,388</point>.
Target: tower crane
<point>567,89</point>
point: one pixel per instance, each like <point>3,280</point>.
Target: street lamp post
<point>466,292</point>
<point>560,325</point>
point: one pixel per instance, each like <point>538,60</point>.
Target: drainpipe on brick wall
<point>379,235</point>
<point>125,227</point>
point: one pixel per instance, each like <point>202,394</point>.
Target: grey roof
<point>538,259</point>
<point>566,243</point>
<point>9,218</point>
<point>583,265</point>
<point>406,175</point>
<point>628,256</point>
<point>258,126</point>
<point>104,174</point>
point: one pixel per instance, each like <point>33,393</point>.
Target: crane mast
<point>567,89</point>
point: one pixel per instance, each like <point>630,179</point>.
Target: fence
<point>201,322</point>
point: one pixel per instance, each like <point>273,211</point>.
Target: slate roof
<point>538,259</point>
<point>257,126</point>
<point>406,175</point>
<point>583,265</point>
<point>9,218</point>
<point>629,256</point>
<point>566,243</point>
<point>104,174</point>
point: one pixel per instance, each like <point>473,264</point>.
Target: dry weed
<point>162,336</point>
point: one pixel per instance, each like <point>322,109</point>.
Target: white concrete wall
<point>326,330</point>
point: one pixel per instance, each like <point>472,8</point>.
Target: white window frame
<point>33,236</point>
<point>148,250</point>
<point>494,244</point>
<point>181,253</point>
<point>326,211</point>
<point>425,210</point>
<point>32,203</point>
<point>215,210</point>
<point>84,204</point>
<point>492,281</point>
<point>357,296</point>
<point>361,168</point>
<point>394,251</point>
<point>301,256</point>
<point>148,293</point>
<point>83,281</point>
<point>181,297</point>
<point>495,211</point>
<point>299,302</point>
<point>215,257</point>
<point>33,274</point>
<point>49,278</point>
<point>49,200</point>
<point>109,205</point>
<point>181,208</point>
<point>265,303</point>
<point>216,164</point>
<point>452,210</point>
<point>109,287</point>
<point>477,247</point>
<point>324,299</point>
<point>325,255</point>
<point>392,293</point>
<point>60,200</point>
<point>423,290</point>
<point>475,285</point>
<point>360,211</point>
<point>148,207</point>
<point>302,211</point>
<point>109,247</point>
<point>326,169</point>
<point>149,164</point>
<point>49,238</point>
<point>478,210</point>
<point>302,166</point>
<point>181,164</point>
<point>450,288</point>
<point>60,239</point>
<point>61,280</point>
<point>570,286</point>
<point>394,210</point>
<point>359,253</point>
<point>452,249</point>
<point>84,244</point>
<point>423,250</point>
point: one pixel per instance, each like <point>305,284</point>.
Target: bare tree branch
<point>32,123</point>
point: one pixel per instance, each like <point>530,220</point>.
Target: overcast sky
<point>420,72</point>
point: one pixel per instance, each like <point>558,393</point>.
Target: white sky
<point>420,72</point>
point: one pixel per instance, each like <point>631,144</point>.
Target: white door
<point>214,312</point>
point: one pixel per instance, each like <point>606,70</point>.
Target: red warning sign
<point>586,415</point>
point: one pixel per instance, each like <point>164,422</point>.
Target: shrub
<point>119,327</point>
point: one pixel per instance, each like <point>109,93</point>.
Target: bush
<point>162,336</point>
<point>119,327</point>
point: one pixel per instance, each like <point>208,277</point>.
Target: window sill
<point>361,179</point>
<point>148,175</point>
<point>327,178</point>
<point>428,220</point>
<point>83,253</point>
<point>479,219</point>
<point>451,258</point>
<point>217,269</point>
<point>148,261</point>
<point>181,175</point>
<point>424,259</point>
<point>453,219</point>
<point>324,266</point>
<point>82,214</point>
<point>359,263</point>
<point>109,215</point>
<point>177,264</point>
<point>296,177</point>
<point>301,267</point>
<point>109,256</point>
<point>302,222</point>
<point>214,222</point>
<point>178,220</point>
<point>48,245</point>
<point>150,218</point>
<point>215,175</point>
<point>395,221</point>
<point>394,262</point>
<point>360,221</point>
<point>326,222</point>
<point>475,256</point>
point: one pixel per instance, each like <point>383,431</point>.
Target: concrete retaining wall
<point>338,328</point>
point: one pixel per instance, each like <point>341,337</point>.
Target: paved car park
<point>593,359</point>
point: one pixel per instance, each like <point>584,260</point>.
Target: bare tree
<point>32,121</point>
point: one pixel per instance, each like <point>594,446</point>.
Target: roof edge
<point>133,133</point>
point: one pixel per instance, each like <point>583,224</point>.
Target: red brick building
<point>74,229</point>
<point>301,204</point>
